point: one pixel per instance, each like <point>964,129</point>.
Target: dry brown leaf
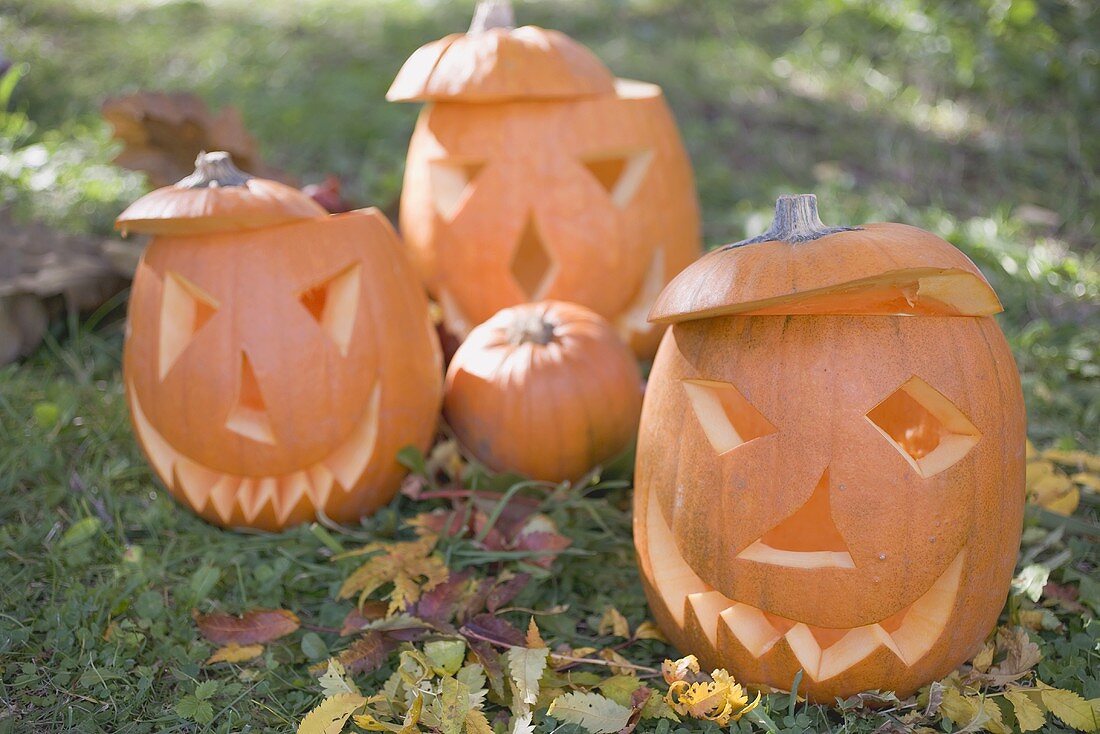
<point>162,133</point>
<point>255,626</point>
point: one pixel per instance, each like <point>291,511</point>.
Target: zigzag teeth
<point>321,481</point>
<point>223,497</point>
<point>295,492</point>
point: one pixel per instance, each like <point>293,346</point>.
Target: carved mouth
<point>236,499</point>
<point>823,652</point>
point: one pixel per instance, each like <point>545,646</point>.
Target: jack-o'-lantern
<point>534,174</point>
<point>831,458</point>
<point>276,358</point>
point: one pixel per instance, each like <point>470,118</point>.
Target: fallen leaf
<point>649,631</point>
<point>614,623</point>
<point>162,133</point>
<point>368,653</point>
<point>254,626</point>
<point>494,629</point>
<point>330,716</point>
<point>335,681</point>
<point>1029,717</point>
<point>534,636</point>
<point>1071,708</point>
<point>234,653</point>
<point>526,666</point>
<point>590,711</point>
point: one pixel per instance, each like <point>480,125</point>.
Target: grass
<point>971,120</point>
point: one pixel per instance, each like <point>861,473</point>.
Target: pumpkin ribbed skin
<point>275,372</point>
<point>844,495</point>
<point>550,405</point>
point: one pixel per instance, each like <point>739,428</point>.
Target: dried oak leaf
<point>163,132</point>
<point>253,627</point>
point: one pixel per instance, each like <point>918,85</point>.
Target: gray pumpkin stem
<point>214,170</point>
<point>491,14</point>
<point>796,220</point>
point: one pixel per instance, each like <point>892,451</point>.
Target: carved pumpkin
<point>534,174</point>
<point>546,389</point>
<point>831,458</point>
<point>276,358</point>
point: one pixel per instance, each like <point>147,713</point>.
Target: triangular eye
<point>249,415</point>
<point>333,304</point>
<point>727,418</point>
<point>621,175</point>
<point>184,309</point>
<point>924,426</point>
<point>450,183</point>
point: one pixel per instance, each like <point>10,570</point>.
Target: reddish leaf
<point>328,195</point>
<point>253,627</point>
<point>492,629</point>
<point>551,543</point>
<point>439,605</point>
<point>506,591</point>
<point>491,662</point>
<point>358,618</point>
<point>638,701</point>
<point>368,653</point>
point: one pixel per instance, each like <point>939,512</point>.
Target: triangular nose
<point>807,539</point>
<point>249,417</point>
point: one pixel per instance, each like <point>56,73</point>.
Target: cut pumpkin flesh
<point>823,652</point>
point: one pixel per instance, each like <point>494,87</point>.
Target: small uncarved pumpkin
<point>276,357</point>
<point>547,390</point>
<point>830,468</point>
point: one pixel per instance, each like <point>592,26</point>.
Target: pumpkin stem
<point>491,14</point>
<point>214,170</point>
<point>796,220</point>
<point>531,328</point>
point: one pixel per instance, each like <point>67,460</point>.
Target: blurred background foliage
<point>974,119</point>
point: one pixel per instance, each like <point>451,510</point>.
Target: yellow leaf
<point>1029,716</point>
<point>591,711</point>
<point>984,658</point>
<point>649,631</point>
<point>335,681</point>
<point>614,623</point>
<point>619,664</point>
<point>411,566</point>
<point>722,700</point>
<point>534,637</point>
<point>1073,710</point>
<point>330,716</point>
<point>1082,459</point>
<point>368,722</point>
<point>1092,481</point>
<point>234,653</point>
<point>1029,450</point>
<point>960,709</point>
<point>476,723</point>
<point>678,670</point>
<point>1055,492</point>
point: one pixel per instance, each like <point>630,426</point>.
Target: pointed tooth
<point>708,606</point>
<point>751,628</point>
<point>320,479</point>
<point>293,498</point>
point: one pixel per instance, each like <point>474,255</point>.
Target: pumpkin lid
<point>217,197</point>
<point>801,266</point>
<point>496,62</point>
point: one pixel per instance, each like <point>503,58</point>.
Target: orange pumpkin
<point>534,174</point>
<point>276,357</point>
<point>546,389</point>
<point>844,492</point>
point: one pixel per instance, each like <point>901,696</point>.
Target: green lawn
<point>975,120</point>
